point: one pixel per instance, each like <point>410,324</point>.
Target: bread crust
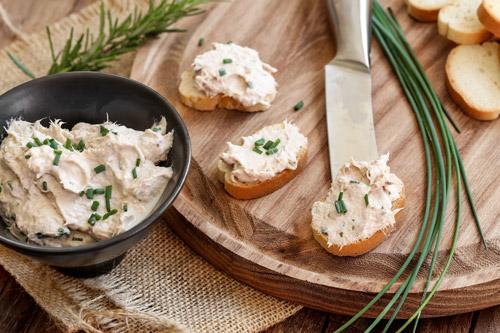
<point>488,19</point>
<point>467,106</point>
<point>367,244</point>
<point>246,191</point>
<point>191,96</point>
<point>422,14</point>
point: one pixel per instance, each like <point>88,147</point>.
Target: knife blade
<point>349,117</point>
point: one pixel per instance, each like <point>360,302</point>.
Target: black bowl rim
<point>183,133</point>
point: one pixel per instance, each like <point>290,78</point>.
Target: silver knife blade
<point>349,118</point>
<point>351,133</point>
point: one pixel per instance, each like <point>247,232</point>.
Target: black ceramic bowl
<point>91,97</point>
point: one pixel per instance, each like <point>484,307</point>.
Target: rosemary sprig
<point>114,38</point>
<point>441,154</point>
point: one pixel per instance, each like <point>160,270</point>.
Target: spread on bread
<point>360,203</point>
<point>264,161</point>
<point>229,76</point>
<point>61,187</point>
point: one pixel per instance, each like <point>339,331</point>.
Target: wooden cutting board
<point>267,242</point>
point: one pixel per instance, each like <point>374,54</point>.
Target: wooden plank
<point>488,321</point>
<point>306,320</point>
<point>273,233</point>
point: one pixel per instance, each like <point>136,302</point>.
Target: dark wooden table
<point>20,313</point>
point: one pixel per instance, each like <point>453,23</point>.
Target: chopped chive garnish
<point>94,217</point>
<point>222,72</point>
<point>10,185</point>
<point>260,142</point>
<point>340,205</point>
<point>107,196</point>
<point>29,145</point>
<point>229,42</point>
<point>94,206</point>
<point>82,193</point>
<point>341,196</point>
<point>45,186</point>
<point>99,191</point>
<point>1,188</point>
<point>298,106</point>
<point>227,61</point>
<point>137,162</point>
<point>276,143</point>
<point>80,146</point>
<point>104,131</point>
<point>53,144</point>
<point>27,157</point>
<point>367,202</point>
<point>269,144</point>
<point>61,231</point>
<point>46,142</point>
<point>201,41</point>
<point>353,182</point>
<point>108,214</point>
<point>57,157</point>
<point>100,168</point>
<point>134,173</point>
<point>257,150</point>
<point>125,207</point>
<point>271,151</point>
<point>68,144</point>
<point>156,129</point>
<point>77,239</point>
<point>250,84</point>
<point>37,141</point>
<point>89,193</point>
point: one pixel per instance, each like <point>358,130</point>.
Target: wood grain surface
<point>272,235</point>
<point>19,312</point>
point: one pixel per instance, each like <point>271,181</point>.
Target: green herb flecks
<point>257,150</point>
<point>57,157</point>
<point>68,144</point>
<point>94,217</point>
<point>222,72</point>
<point>99,191</point>
<point>271,151</point>
<point>260,142</point>
<point>340,204</point>
<point>45,187</point>
<point>110,213</point>
<point>62,232</point>
<point>367,201</point>
<point>226,61</point>
<point>95,206</point>
<point>89,193</point>
<point>80,146</point>
<point>125,207</point>
<point>82,193</point>
<point>115,37</point>
<point>201,41</point>
<point>103,130</point>
<point>77,239</point>
<point>100,168</point>
<point>324,231</point>
<point>37,141</point>
<point>29,145</point>
<point>156,129</point>
<point>250,85</point>
<point>353,182</point>
<point>134,173</point>
<point>107,196</point>
<point>53,144</point>
<point>9,183</point>
<point>138,162</point>
<point>298,106</point>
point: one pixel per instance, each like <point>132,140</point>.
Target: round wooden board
<point>269,240</point>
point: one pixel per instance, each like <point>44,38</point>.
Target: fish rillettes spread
<point>61,187</point>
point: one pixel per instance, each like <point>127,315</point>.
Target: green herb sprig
<point>87,52</point>
<point>441,154</point>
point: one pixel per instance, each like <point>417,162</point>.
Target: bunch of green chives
<point>441,155</point>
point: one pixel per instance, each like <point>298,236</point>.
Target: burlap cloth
<point>161,285</point>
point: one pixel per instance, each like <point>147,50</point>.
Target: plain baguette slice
<point>489,15</point>
<point>458,21</point>
<point>473,79</point>
<point>246,191</point>
<point>425,10</point>
<point>197,99</point>
<point>364,245</point>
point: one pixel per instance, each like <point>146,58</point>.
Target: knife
<point>349,118</point>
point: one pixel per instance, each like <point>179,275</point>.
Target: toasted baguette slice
<point>459,23</point>
<point>473,79</point>
<point>425,10</point>
<point>197,99</point>
<point>245,191</point>
<point>488,13</point>
<point>365,245</point>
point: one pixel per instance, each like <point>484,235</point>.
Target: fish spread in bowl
<point>61,187</point>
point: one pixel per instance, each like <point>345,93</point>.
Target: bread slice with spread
<point>229,77</point>
<point>425,10</point>
<point>473,79</point>
<point>263,162</point>
<point>360,210</point>
<point>458,21</point>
